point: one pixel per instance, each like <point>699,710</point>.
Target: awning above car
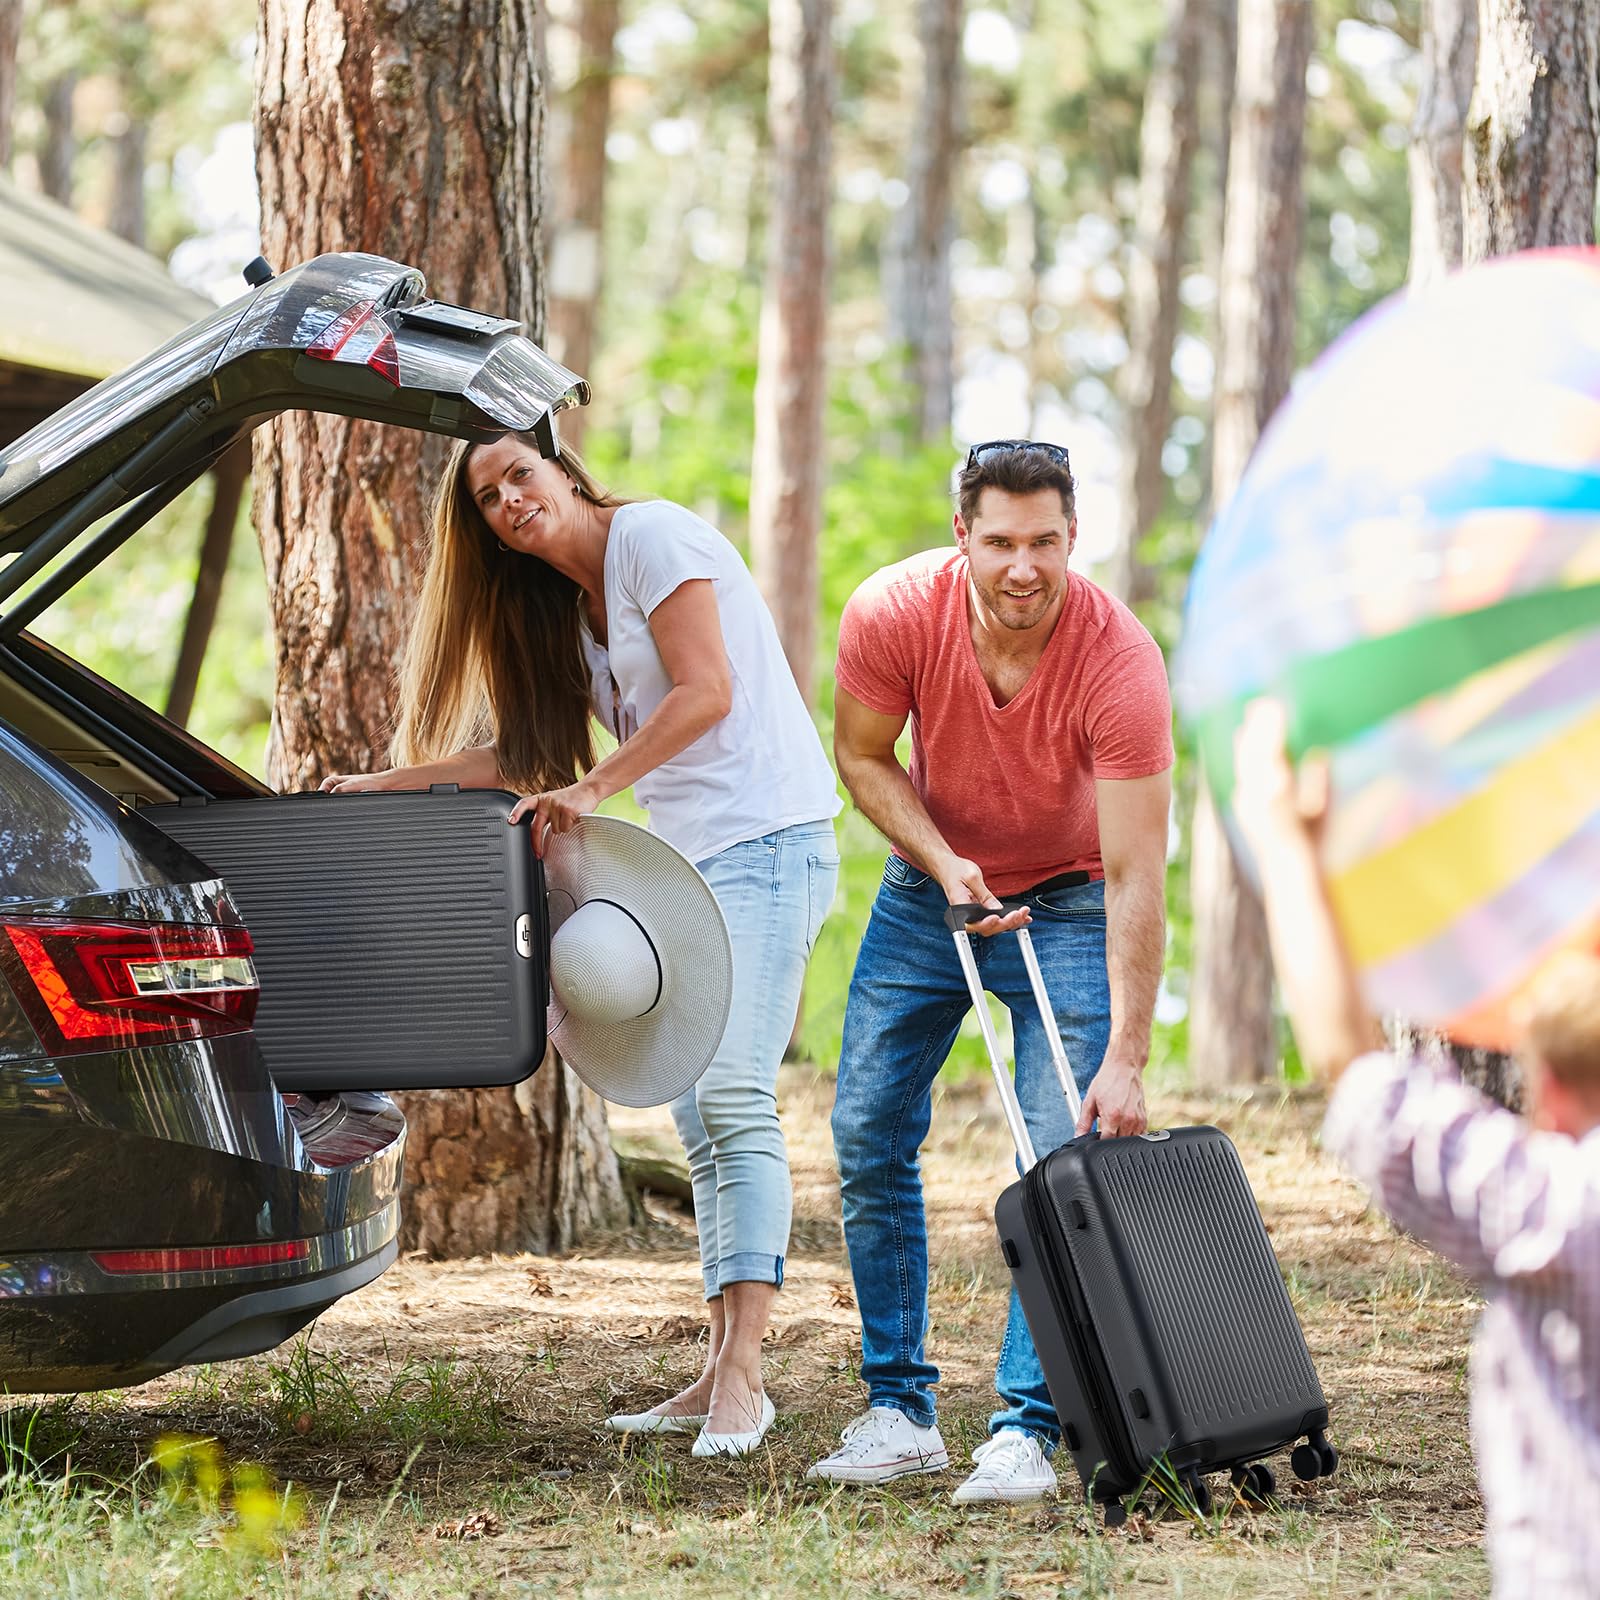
<point>79,301</point>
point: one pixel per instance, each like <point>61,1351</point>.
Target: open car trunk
<point>400,938</point>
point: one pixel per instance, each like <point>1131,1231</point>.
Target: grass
<point>434,1435</point>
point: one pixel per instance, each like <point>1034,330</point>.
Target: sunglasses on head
<point>1054,452</point>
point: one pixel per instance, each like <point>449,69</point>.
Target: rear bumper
<point>264,1319</point>
<point>66,1324</point>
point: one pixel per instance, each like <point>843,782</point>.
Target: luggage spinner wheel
<point>1255,1484</point>
<point>1314,1459</point>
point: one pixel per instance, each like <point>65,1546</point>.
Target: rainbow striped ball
<point>1412,564</point>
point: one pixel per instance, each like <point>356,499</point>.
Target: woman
<point>545,597</point>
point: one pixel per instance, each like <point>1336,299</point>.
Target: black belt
<point>1062,880</point>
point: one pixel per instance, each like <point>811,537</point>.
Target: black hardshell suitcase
<point>401,937</point>
<point>1155,1301</point>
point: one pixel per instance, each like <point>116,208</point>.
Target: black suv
<point>162,1202</point>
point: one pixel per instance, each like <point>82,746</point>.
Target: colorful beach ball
<point>1412,563</point>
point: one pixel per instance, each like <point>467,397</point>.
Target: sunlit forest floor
<point>435,1434</point>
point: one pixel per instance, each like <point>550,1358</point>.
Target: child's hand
<point>1272,803</point>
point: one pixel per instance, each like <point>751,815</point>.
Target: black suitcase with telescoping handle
<point>1166,1335</point>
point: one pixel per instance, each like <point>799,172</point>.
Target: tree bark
<point>1449,57</point>
<point>578,252</point>
<point>1533,140</point>
<point>10,38</point>
<point>1533,127</point>
<point>917,263</point>
<point>414,132</point>
<point>59,152</point>
<point>1167,138</point>
<point>787,467</point>
<point>1222,61</point>
<point>1231,1031</point>
<point>127,219</point>
<point>227,479</point>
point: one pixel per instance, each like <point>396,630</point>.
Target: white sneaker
<point>882,1444</point>
<point>1011,1466</point>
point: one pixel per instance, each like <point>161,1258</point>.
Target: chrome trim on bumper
<point>75,1272</point>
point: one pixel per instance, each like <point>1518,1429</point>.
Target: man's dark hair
<point>1016,469</point>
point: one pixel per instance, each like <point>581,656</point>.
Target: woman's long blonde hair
<point>494,651</point>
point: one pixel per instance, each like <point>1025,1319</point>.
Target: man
<point>1041,749</point>
<point>1513,1203</point>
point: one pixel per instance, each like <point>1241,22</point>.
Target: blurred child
<point>1513,1201</point>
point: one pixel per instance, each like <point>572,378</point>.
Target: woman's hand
<point>371,782</point>
<point>557,809</point>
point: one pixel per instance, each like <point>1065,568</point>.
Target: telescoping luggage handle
<point>955,919</point>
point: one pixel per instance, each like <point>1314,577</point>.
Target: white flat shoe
<point>654,1422</point>
<point>735,1444</point>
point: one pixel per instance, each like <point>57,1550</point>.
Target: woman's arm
<point>687,630</point>
<point>476,768</point>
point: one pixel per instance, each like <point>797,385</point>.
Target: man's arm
<point>863,751</point>
<point>1133,848</point>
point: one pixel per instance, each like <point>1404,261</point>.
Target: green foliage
<point>1039,283</point>
<point>178,71</point>
<point>125,620</point>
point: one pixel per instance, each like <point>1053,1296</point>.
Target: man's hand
<point>962,882</point>
<point>1116,1097</point>
<point>555,809</point>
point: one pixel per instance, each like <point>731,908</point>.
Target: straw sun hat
<point>641,966</point>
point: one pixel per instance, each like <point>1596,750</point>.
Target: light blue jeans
<point>907,999</point>
<point>775,892</point>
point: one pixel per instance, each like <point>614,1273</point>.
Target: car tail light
<point>203,1258</point>
<point>105,985</point>
<point>373,342</point>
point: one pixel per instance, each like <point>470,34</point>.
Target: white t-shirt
<point>760,768</point>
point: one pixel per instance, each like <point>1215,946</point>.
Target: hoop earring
<point>503,545</point>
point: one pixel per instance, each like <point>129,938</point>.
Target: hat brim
<point>648,1060</point>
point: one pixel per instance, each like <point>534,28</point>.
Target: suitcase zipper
<point>1073,1315</point>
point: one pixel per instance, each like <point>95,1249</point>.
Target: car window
<point>125,622</point>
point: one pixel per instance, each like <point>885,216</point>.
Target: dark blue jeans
<point>907,999</point>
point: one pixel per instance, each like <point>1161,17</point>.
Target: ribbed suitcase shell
<point>386,933</point>
<point>1157,1307</point>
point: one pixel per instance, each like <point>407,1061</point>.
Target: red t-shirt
<point>1010,787</point>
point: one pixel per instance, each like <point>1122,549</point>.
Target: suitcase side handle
<point>956,918</point>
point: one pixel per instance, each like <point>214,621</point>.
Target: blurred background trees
<point>1025,232</point>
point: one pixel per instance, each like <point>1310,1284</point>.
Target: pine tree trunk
<point>578,250</point>
<point>791,373</point>
<point>1533,140</point>
<point>917,263</point>
<point>1449,56</point>
<point>127,182</point>
<point>413,131</point>
<point>59,153</point>
<point>10,38</point>
<point>227,489</point>
<point>1222,66</point>
<point>1533,126</point>
<point>1231,1032</point>
<point>1167,140</point>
